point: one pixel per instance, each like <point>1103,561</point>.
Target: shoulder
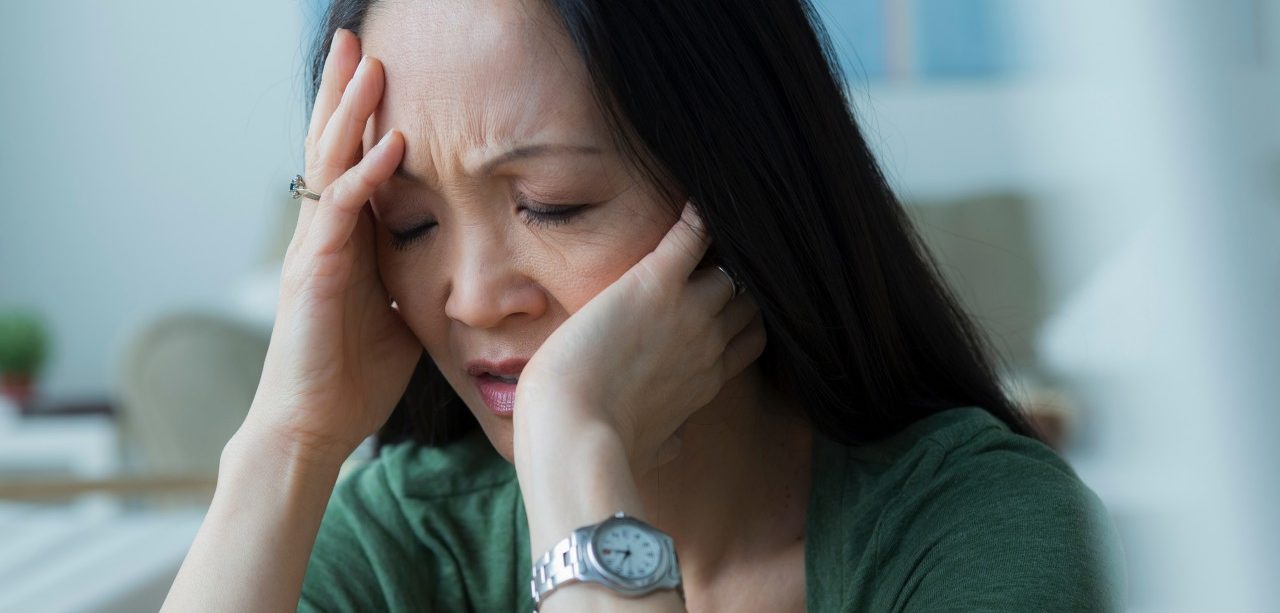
<point>969,454</point>
<point>971,516</point>
<point>401,530</point>
<point>967,457</point>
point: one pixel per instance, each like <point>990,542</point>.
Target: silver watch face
<point>627,550</point>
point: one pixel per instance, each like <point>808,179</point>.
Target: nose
<point>487,286</point>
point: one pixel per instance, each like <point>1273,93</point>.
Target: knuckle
<point>350,186</point>
<point>310,277</point>
<point>363,182</point>
<point>333,191</point>
<point>327,167</point>
<point>649,280</point>
<point>686,245</point>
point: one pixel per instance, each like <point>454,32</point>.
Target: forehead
<point>479,73</point>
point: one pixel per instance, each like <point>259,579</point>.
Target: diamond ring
<point>299,189</point>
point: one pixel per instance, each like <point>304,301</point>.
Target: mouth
<point>504,379</point>
<point>496,381</point>
<point>497,392</point>
<point>508,369</point>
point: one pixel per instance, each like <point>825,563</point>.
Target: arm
<point>339,358</point>
<point>606,392</point>
<point>575,473</point>
<point>252,549</point>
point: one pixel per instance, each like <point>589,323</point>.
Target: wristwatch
<point>621,553</point>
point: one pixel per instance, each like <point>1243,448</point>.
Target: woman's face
<point>467,82</point>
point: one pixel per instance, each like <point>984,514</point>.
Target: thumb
<point>684,244</point>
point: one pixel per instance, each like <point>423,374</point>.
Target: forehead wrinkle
<point>467,102</point>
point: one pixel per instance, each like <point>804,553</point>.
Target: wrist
<point>260,450</point>
<point>571,478</point>
<point>260,528</point>
<point>550,416</point>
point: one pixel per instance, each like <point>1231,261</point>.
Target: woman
<point>655,270</point>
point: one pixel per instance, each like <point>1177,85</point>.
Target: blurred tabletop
<point>90,555</point>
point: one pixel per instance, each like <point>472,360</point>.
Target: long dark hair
<point>742,107</point>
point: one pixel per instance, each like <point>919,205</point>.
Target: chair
<point>187,381</point>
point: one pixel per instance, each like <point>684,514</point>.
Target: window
<point>902,40</point>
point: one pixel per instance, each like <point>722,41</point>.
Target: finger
<point>711,286</point>
<point>342,201</point>
<point>339,66</point>
<point>684,245</point>
<point>339,69</point>
<point>300,233</point>
<point>744,349</point>
<point>736,316</point>
<point>340,144</point>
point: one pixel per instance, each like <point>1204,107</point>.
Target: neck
<point>738,490</point>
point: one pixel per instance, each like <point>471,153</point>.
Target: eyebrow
<point>526,151</point>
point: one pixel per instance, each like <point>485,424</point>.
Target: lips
<point>498,395</point>
<point>495,381</point>
<point>508,367</point>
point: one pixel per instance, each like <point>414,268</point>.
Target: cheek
<point>576,272</point>
<point>405,274</point>
<point>411,279</point>
<point>631,232</point>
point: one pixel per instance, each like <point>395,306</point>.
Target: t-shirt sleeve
<point>362,558</point>
<point>1011,528</point>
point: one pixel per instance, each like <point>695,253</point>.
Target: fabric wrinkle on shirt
<point>952,513</point>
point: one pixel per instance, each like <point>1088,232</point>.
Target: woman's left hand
<point>647,351</point>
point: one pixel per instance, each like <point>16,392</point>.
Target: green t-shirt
<point>953,513</point>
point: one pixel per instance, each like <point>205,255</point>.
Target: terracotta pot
<point>19,387</point>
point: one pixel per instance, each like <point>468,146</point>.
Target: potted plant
<point>24,345</point>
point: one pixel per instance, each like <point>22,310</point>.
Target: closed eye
<point>401,241</point>
<point>538,213</point>
<point>543,214</point>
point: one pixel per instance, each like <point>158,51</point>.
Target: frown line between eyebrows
<point>526,151</point>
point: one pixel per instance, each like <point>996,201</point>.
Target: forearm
<point>570,477</point>
<point>252,549</point>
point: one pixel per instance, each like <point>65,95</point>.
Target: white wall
<point>144,150</point>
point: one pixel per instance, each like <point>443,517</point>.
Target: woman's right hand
<point>340,356</point>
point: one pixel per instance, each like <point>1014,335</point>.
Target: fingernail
<point>383,142</point>
<point>691,213</point>
<point>333,44</point>
<point>360,68</point>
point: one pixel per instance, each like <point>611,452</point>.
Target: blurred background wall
<point>146,148</point>
<point>1100,181</point>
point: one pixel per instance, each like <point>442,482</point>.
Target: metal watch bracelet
<point>567,562</point>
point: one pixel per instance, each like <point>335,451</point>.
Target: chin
<point>499,432</point>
